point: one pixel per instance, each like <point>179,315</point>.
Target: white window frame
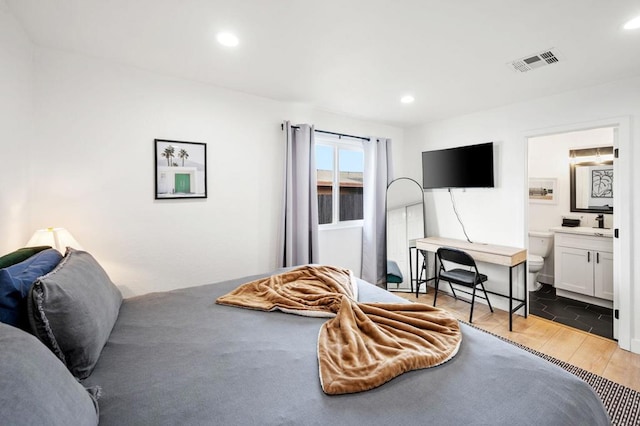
<point>338,143</point>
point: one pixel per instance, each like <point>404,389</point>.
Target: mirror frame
<point>572,187</point>
<point>386,230</point>
<point>424,215</point>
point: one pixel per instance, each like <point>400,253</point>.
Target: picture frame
<point>180,169</point>
<point>543,190</point>
<point>602,182</point>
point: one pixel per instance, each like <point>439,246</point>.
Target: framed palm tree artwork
<point>180,169</point>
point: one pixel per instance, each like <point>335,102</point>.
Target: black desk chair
<point>466,277</point>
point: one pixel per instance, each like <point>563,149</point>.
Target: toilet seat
<point>535,261</point>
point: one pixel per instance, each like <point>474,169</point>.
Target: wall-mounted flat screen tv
<point>461,167</point>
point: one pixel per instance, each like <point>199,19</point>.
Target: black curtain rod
<point>333,133</point>
<point>342,134</point>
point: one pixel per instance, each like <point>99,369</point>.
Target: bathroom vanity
<point>584,264</point>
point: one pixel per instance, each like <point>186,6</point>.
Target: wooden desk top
<point>500,255</point>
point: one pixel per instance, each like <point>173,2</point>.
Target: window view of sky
<point>350,161</point>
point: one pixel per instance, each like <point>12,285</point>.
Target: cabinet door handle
<point>598,257</point>
<point>588,257</point>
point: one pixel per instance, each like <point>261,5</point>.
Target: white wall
<point>16,104</point>
<point>342,247</point>
<point>548,157</point>
<point>93,117</point>
<point>498,215</point>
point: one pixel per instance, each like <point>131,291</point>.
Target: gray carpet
<point>622,403</point>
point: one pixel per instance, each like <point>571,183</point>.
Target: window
<point>340,166</point>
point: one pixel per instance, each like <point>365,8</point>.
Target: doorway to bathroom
<point>567,293</point>
<point>578,282</point>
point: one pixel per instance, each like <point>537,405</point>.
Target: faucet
<point>600,220</point>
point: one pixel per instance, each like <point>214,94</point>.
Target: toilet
<point>540,244</point>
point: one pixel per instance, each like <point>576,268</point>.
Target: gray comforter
<point>177,358</point>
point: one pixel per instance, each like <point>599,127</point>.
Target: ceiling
<point>355,57</point>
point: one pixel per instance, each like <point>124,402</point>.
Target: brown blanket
<point>365,344</point>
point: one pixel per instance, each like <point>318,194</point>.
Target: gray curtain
<point>299,224</point>
<point>378,173</point>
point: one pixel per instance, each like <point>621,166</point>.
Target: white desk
<point>489,253</point>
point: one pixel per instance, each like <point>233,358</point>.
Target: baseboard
<point>546,279</point>
<point>584,298</point>
<point>400,290</point>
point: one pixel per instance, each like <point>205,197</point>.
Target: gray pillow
<point>72,310</point>
<point>35,388</point>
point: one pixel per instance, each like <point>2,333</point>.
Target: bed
<point>177,357</point>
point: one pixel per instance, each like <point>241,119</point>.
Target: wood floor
<point>588,351</point>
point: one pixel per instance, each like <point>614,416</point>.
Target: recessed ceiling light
<point>227,39</point>
<point>633,24</point>
<point>407,99</point>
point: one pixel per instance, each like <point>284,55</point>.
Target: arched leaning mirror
<point>405,223</point>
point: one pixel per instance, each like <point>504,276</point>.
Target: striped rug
<point>622,403</point>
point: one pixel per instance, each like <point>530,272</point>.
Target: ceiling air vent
<point>532,62</point>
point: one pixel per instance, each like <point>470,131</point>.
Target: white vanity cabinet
<point>584,262</point>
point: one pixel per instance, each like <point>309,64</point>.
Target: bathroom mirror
<point>405,223</point>
<point>591,180</point>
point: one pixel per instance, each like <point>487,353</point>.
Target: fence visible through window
<point>345,204</point>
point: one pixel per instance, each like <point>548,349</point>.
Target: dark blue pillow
<point>15,282</point>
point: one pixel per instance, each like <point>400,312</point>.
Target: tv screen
<point>462,167</point>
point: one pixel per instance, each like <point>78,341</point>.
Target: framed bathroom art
<point>180,169</point>
<point>602,182</point>
<point>543,190</point>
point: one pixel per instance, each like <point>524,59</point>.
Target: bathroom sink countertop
<point>584,230</point>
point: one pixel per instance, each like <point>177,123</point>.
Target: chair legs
<point>473,296</point>
<point>435,294</point>
<point>455,296</point>
<point>473,299</point>
<point>486,297</point>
